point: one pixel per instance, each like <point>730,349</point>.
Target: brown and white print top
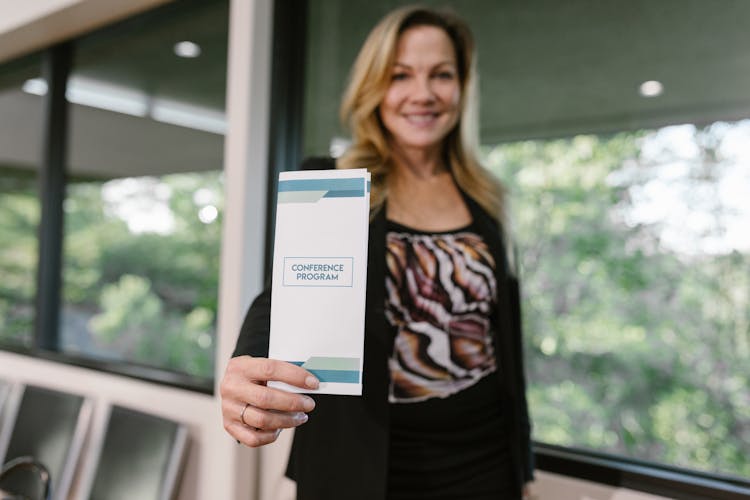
<point>440,297</point>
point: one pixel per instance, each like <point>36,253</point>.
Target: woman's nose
<point>422,90</point>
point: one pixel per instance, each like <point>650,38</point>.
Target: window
<point>141,270</point>
<point>636,274</point>
<point>20,156</point>
<point>621,132</point>
<point>144,200</point>
<point>143,197</point>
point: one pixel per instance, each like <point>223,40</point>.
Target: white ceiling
<point>551,68</point>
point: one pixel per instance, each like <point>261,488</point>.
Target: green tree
<point>19,220</point>
<point>149,296</point>
<point>634,346</point>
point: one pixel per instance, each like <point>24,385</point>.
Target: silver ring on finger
<point>242,415</point>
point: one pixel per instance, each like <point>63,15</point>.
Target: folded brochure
<point>319,276</point>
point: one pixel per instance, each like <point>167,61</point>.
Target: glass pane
<point>636,272</point>
<point>21,115</point>
<point>620,130</point>
<point>145,196</point>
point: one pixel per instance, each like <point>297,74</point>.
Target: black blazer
<point>342,450</point>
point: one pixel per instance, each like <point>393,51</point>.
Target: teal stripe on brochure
<point>328,375</point>
<point>348,193</point>
<point>347,184</point>
<point>368,186</point>
<point>339,376</point>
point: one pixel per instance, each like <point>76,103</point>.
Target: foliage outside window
<point>143,195</point>
<point>141,270</point>
<point>20,148</point>
<point>635,260</point>
<point>144,199</point>
<point>19,219</point>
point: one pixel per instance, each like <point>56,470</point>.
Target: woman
<point>443,412</point>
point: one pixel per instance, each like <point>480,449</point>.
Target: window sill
<point>638,475</point>
<point>127,369</point>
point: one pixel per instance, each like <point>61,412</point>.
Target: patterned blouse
<point>440,296</point>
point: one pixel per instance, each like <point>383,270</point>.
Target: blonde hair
<point>368,83</point>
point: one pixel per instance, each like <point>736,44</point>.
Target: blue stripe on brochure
<point>339,376</point>
<point>349,193</point>
<point>348,184</point>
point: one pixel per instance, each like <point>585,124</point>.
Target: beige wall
<point>555,487</point>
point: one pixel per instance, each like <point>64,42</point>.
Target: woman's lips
<point>421,119</point>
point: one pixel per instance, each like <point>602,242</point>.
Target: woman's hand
<point>526,493</point>
<point>255,414</point>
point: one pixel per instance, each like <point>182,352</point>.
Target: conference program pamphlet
<point>319,276</point>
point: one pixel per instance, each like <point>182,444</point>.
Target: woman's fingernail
<point>307,403</point>
<point>301,418</point>
<point>311,382</point>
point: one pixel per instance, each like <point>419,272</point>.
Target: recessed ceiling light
<point>651,88</point>
<point>187,49</point>
<point>36,86</point>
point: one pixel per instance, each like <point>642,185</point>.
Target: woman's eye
<point>445,75</point>
<point>399,76</point>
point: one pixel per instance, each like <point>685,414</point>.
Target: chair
<point>50,427</point>
<point>28,475</point>
<point>141,457</point>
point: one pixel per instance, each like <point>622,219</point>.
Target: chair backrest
<point>49,426</point>
<point>141,457</point>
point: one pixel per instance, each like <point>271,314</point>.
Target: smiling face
<point>422,103</point>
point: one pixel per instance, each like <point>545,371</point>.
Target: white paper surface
<point>319,276</point>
